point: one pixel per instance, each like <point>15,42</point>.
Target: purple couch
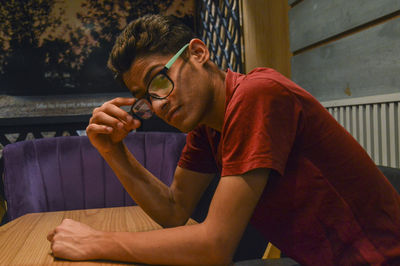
<point>67,173</point>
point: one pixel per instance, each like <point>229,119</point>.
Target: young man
<point>286,165</point>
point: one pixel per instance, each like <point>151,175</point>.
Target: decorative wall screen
<point>220,28</point>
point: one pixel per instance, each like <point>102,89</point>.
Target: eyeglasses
<point>159,87</point>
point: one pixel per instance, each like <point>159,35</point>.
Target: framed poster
<point>52,47</point>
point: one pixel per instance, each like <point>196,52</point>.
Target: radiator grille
<point>374,123</point>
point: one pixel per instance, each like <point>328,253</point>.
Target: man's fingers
<point>122,101</point>
<point>99,129</point>
<point>50,235</point>
<point>113,111</point>
<point>135,124</point>
<point>110,118</point>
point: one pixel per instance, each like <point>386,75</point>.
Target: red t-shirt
<point>326,203</point>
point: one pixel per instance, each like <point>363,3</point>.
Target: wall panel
<point>314,20</point>
<point>363,64</point>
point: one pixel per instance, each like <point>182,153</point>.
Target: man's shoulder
<point>261,78</point>
<point>267,82</point>
<point>264,73</point>
<point>260,81</point>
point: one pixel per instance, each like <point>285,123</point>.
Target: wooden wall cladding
<point>344,49</point>
<point>266,35</point>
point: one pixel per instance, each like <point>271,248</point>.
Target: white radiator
<point>375,122</point>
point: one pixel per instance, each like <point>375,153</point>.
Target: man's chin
<point>184,127</point>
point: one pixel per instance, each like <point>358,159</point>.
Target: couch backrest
<point>66,173</point>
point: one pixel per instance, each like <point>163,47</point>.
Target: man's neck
<point>216,115</point>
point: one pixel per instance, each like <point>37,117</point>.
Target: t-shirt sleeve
<point>197,154</point>
<point>261,124</point>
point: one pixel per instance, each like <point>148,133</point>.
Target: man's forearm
<point>153,196</point>
<point>184,245</point>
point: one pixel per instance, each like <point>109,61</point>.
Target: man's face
<point>187,104</point>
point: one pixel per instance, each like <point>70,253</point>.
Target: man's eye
<point>160,82</point>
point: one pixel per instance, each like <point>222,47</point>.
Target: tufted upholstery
<point>66,173</point>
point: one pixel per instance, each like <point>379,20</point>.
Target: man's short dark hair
<point>148,35</point>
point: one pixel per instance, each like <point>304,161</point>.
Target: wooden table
<point>23,240</point>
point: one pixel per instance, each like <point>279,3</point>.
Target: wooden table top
<point>23,240</point>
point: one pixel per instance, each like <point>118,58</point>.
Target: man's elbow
<point>177,214</point>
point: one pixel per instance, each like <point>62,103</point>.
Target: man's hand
<point>110,124</point>
<point>74,241</point>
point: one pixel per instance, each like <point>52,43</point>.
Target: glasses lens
<point>142,109</point>
<point>160,86</point>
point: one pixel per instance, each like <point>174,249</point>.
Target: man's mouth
<point>172,113</point>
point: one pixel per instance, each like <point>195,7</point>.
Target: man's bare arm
<point>212,242</point>
<point>168,206</point>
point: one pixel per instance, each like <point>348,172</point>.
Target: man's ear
<point>198,51</point>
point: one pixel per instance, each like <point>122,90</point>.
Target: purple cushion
<point>67,173</point>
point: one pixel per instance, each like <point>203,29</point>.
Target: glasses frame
<point>147,97</point>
